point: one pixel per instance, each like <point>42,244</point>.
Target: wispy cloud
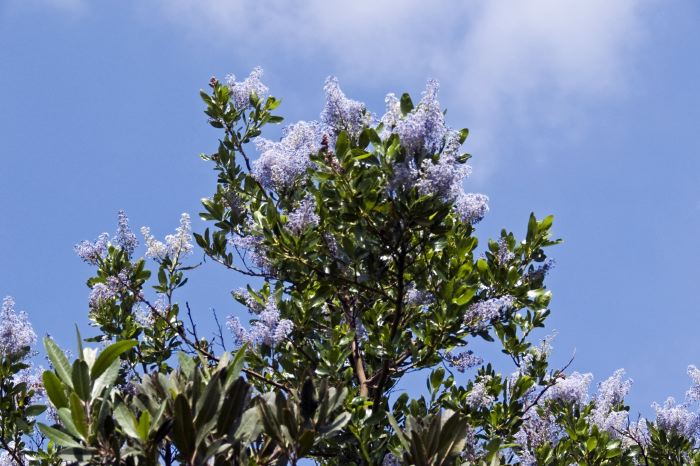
<point>502,60</point>
<point>499,50</point>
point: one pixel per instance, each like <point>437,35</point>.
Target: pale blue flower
<point>572,388</point>
<point>92,251</point>
<point>176,245</point>
<point>463,360</point>
<point>16,332</point>
<point>471,207</point>
<point>676,418</point>
<point>125,238</point>
<point>341,113</point>
<point>282,163</point>
<point>241,91</point>
<point>304,216</point>
<point>481,313</point>
<point>478,396</point>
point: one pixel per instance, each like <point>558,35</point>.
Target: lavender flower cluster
<point>269,329</point>
<point>504,255</point>
<point>611,392</point>
<point>481,313</point>
<point>416,297</point>
<point>572,388</point>
<point>254,249</point>
<point>175,246</point>
<point>340,113</point>
<point>422,132</point>
<point>463,360</point>
<point>282,163</point>
<point>16,332</point>
<point>241,91</point>
<point>303,216</point>
<point>93,251</point>
<point>103,293</point>
<point>479,397</point>
<point>146,315</point>
<point>677,418</point>
<point>424,128</point>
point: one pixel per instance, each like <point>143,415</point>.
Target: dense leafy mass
<point>358,242</point>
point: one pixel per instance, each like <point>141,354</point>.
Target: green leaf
<point>109,355</point>
<point>342,144</point>
<point>463,133</point>
<point>143,426</point>
<point>406,103</point>
<point>77,411</point>
<point>250,425</point>
<point>397,429</point>
<point>59,361</point>
<point>34,410</point>
<point>58,437</point>
<point>80,343</point>
<point>183,430</point>
<point>81,379</point>
<point>54,389</point>
<point>209,402</point>
<point>126,420</point>
<point>591,443</point>
<point>105,380</point>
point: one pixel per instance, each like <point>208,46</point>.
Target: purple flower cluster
<point>241,91</point>
<point>175,246</point>
<point>416,297</point>
<point>611,392</point>
<point>16,332</point>
<point>125,238</point>
<point>103,293</point>
<point>442,179</point>
<point>539,272</point>
<point>536,353</point>
<point>504,255</point>
<point>693,393</point>
<point>471,207</point>
<point>146,316</point>
<point>478,396</point>
<point>481,313</point>
<point>341,113</point>
<point>93,251</point>
<point>390,460</point>
<point>572,388</point>
<point>535,430</point>
<point>463,360</point>
<point>254,249</point>
<point>677,418</point>
<point>392,116</point>
<point>268,329</point>
<point>282,163</point>
<point>423,131</point>
<point>303,216</point>
<point>424,128</point>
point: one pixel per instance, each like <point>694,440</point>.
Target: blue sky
<point>588,110</point>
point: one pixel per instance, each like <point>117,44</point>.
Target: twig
<point>218,326</point>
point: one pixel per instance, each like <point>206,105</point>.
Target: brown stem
<point>359,367</point>
<point>398,314</point>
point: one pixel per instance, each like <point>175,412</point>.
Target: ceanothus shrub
<point>358,241</point>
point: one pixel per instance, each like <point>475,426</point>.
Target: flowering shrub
<point>358,238</point>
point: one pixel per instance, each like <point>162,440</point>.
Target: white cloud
<point>501,48</point>
<point>503,60</point>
